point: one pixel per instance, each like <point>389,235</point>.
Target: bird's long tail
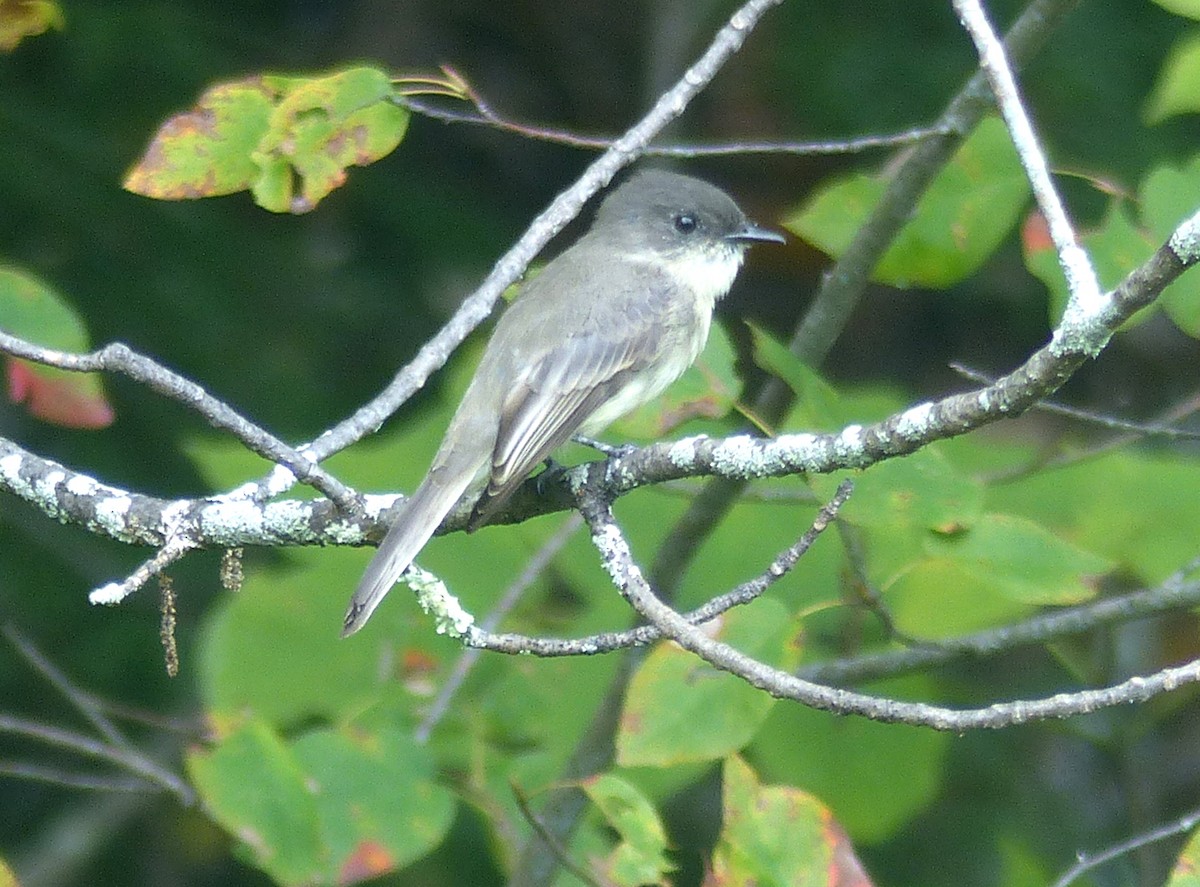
<point>421,517</point>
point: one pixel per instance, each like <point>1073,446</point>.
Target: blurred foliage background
<point>297,320</point>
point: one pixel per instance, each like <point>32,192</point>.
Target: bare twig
<point>555,846</point>
<point>1081,276</point>
<point>87,704</point>
<point>1173,594</point>
<point>627,576</point>
<point>87,781</point>
<point>482,114</point>
<point>122,359</point>
<point>125,758</point>
<point>1088,861</point>
<point>1140,429</point>
<point>176,546</point>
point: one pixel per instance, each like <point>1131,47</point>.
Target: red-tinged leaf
<point>1035,234</point>
<point>71,400</point>
<point>778,836</point>
<point>31,310</point>
<point>370,859</point>
<point>27,18</point>
<point>289,140</point>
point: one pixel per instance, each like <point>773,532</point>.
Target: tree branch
<point>627,577</point>
<point>120,358</point>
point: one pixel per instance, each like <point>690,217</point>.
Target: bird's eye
<point>685,223</point>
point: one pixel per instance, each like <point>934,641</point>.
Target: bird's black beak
<point>753,233</point>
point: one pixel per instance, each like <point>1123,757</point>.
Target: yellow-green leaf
<point>289,140</point>
<point>641,856</point>
<point>1177,90</point>
<point>680,709</point>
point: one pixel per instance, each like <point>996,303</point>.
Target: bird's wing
<point>553,399</point>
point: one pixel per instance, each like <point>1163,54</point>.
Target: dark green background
<point>297,320</point>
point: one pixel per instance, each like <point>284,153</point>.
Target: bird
<point>604,328</point>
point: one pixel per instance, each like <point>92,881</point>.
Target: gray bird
<point>602,330</point>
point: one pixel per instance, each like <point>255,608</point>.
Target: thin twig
<point>607,642</point>
<point>128,759</point>
<point>87,704</point>
<point>1172,594</point>
<point>556,847</point>
<point>482,114</point>
<point>1142,429</point>
<point>87,781</point>
<point>1087,862</point>
<point>176,546</point>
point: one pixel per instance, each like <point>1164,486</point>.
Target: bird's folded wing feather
<point>552,400</point>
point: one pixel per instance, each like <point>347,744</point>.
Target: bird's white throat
<point>709,273</point>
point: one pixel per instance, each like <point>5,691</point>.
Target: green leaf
<point>1168,196</point>
<point>680,709</point>
<point>332,807</point>
<point>818,406</point>
<point>32,311</point>
<point>778,836</point>
<point>843,760</point>
<point>1177,90</point>
<point>1186,871</point>
<point>247,655</point>
<point>377,800</point>
<point>995,570</point>
<point>641,855</point>
<point>940,597</point>
<point>1027,562</point>
<point>921,490</point>
<point>964,215</point>
<point>1189,8</point>
<point>1138,510</point>
<point>252,785</point>
<point>1116,248</point>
